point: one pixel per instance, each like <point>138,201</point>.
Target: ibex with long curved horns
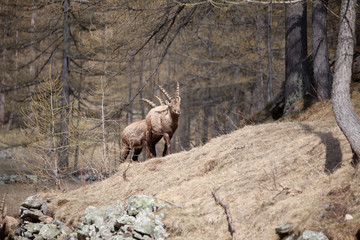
<point>162,121</point>
<point>134,135</point>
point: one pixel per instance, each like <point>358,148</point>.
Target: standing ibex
<point>162,121</point>
<point>134,136</point>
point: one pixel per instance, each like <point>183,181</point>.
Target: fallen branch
<point>124,173</point>
<point>167,201</point>
<point>227,212</point>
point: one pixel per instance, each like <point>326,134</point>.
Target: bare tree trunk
<point>11,117</point>
<point>296,79</point>
<point>345,114</point>
<point>4,67</point>
<point>130,113</point>
<point>106,164</point>
<point>141,76</point>
<point>258,36</point>
<point>63,159</point>
<point>322,73</point>
<point>270,91</point>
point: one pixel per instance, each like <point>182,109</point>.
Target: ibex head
<point>173,103</point>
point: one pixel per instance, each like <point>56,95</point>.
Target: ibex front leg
<point>167,147</point>
<point>150,146</point>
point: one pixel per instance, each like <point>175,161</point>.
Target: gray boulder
<point>144,225</point>
<point>312,235</point>
<point>32,215</point>
<point>49,231</point>
<point>94,216</point>
<point>138,203</point>
<point>160,233</point>
<point>34,228</point>
<point>32,202</point>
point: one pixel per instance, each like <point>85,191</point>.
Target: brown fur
<point>8,224</point>
<point>134,136</point>
<point>162,121</point>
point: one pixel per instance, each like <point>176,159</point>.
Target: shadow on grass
<point>333,159</point>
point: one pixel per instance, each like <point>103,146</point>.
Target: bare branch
<point>227,212</point>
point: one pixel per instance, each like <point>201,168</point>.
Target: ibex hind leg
<point>124,153</point>
<point>137,152</point>
<point>165,150</point>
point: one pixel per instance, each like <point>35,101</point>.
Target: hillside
<point>269,175</point>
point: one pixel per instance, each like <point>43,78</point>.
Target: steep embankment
<point>269,175</point>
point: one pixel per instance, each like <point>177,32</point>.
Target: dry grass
<point>269,175</point>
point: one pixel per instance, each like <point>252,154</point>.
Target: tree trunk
<point>63,160</point>
<point>270,92</point>
<point>259,21</point>
<point>4,67</point>
<point>344,111</point>
<point>296,79</point>
<point>322,73</point>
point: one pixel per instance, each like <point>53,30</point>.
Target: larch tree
<point>344,112</point>
<point>296,78</point>
<point>322,73</point>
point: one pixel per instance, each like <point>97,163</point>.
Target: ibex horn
<point>177,89</point>
<point>165,93</point>
<point>2,207</point>
<point>152,104</point>
<point>160,100</point>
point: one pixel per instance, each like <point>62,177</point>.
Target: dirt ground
<point>269,175</point>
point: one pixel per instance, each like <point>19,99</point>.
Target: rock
<point>93,215</point>
<point>348,217</point>
<point>44,208</point>
<point>312,235</point>
<point>144,225</point>
<point>291,237</point>
<point>71,236</point>
<point>158,219</point>
<point>123,221</point>
<point>112,212</point>
<point>32,178</point>
<point>105,232</point>
<point>46,219</point>
<point>82,235</point>
<point>283,229</point>
<point>109,222</point>
<point>32,215</point>
<point>32,202</point>
<point>34,228</point>
<point>138,203</point>
<point>22,238</point>
<point>92,231</point>
<point>160,233</point>
<point>49,231</point>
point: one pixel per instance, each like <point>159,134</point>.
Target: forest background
<point>72,72</point>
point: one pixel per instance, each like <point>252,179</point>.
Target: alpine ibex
<point>8,224</point>
<point>162,121</point>
<point>134,135</point>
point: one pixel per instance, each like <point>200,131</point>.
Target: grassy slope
<point>269,175</point>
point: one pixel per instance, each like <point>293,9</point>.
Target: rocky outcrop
<point>286,232</point>
<point>138,220</point>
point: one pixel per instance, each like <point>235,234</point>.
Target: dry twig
<point>167,201</point>
<point>227,212</point>
<point>124,173</point>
